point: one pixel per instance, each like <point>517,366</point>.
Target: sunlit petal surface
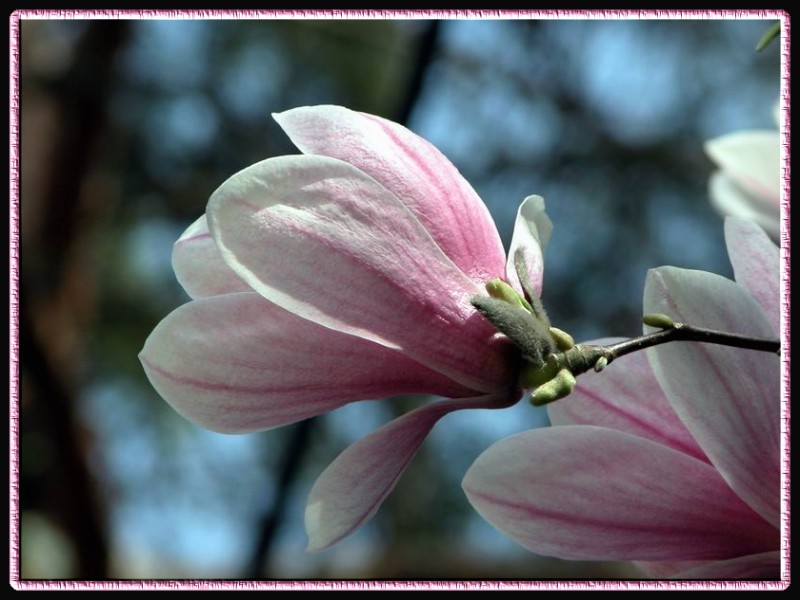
<point>324,240</point>
<point>414,171</point>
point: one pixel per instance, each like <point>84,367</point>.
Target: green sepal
<point>557,388</point>
<point>531,376</point>
<point>563,340</point>
<point>499,289</point>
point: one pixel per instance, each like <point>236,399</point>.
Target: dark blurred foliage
<point>128,126</point>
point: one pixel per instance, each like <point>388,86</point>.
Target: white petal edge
<point>752,159</point>
<point>199,267</point>
<point>532,231</point>
<point>729,200</point>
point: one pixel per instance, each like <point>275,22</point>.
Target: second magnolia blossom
<point>339,275</point>
<point>748,182</point>
<point>673,461</point>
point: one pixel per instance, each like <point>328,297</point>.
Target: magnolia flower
<point>748,182</point>
<point>671,458</point>
<point>338,275</point>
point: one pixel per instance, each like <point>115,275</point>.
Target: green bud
<point>555,389</point>
<point>601,364</point>
<point>771,33</point>
<point>658,320</point>
<point>532,376</point>
<point>563,340</point>
<point>499,289</point>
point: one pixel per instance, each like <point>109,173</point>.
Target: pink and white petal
<point>591,493</point>
<point>237,363</point>
<point>626,396</point>
<point>199,267</point>
<point>729,398</point>
<point>752,160</point>
<point>756,265</point>
<point>327,242</point>
<point>765,565</point>
<point>532,230</point>
<point>414,171</point>
<point>352,488</point>
<point>728,199</point>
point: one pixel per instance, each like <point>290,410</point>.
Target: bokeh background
<point>128,126</point>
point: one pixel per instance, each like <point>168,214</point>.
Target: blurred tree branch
<point>66,487</point>
<point>68,491</point>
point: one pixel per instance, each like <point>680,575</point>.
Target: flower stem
<point>554,378</point>
<point>583,357</point>
<point>681,332</point>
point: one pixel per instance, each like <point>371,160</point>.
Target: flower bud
<point>659,320</point>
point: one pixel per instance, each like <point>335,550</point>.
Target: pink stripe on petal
<point>199,267</point>
<point>729,398</point>
<point>756,265</point>
<point>322,239</point>
<point>414,171</point>
<point>237,363</point>
<point>532,230</point>
<point>626,396</point>
<point>582,492</point>
<point>352,488</point>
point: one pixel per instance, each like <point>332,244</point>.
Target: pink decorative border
<point>786,348</point>
<point>176,585</point>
